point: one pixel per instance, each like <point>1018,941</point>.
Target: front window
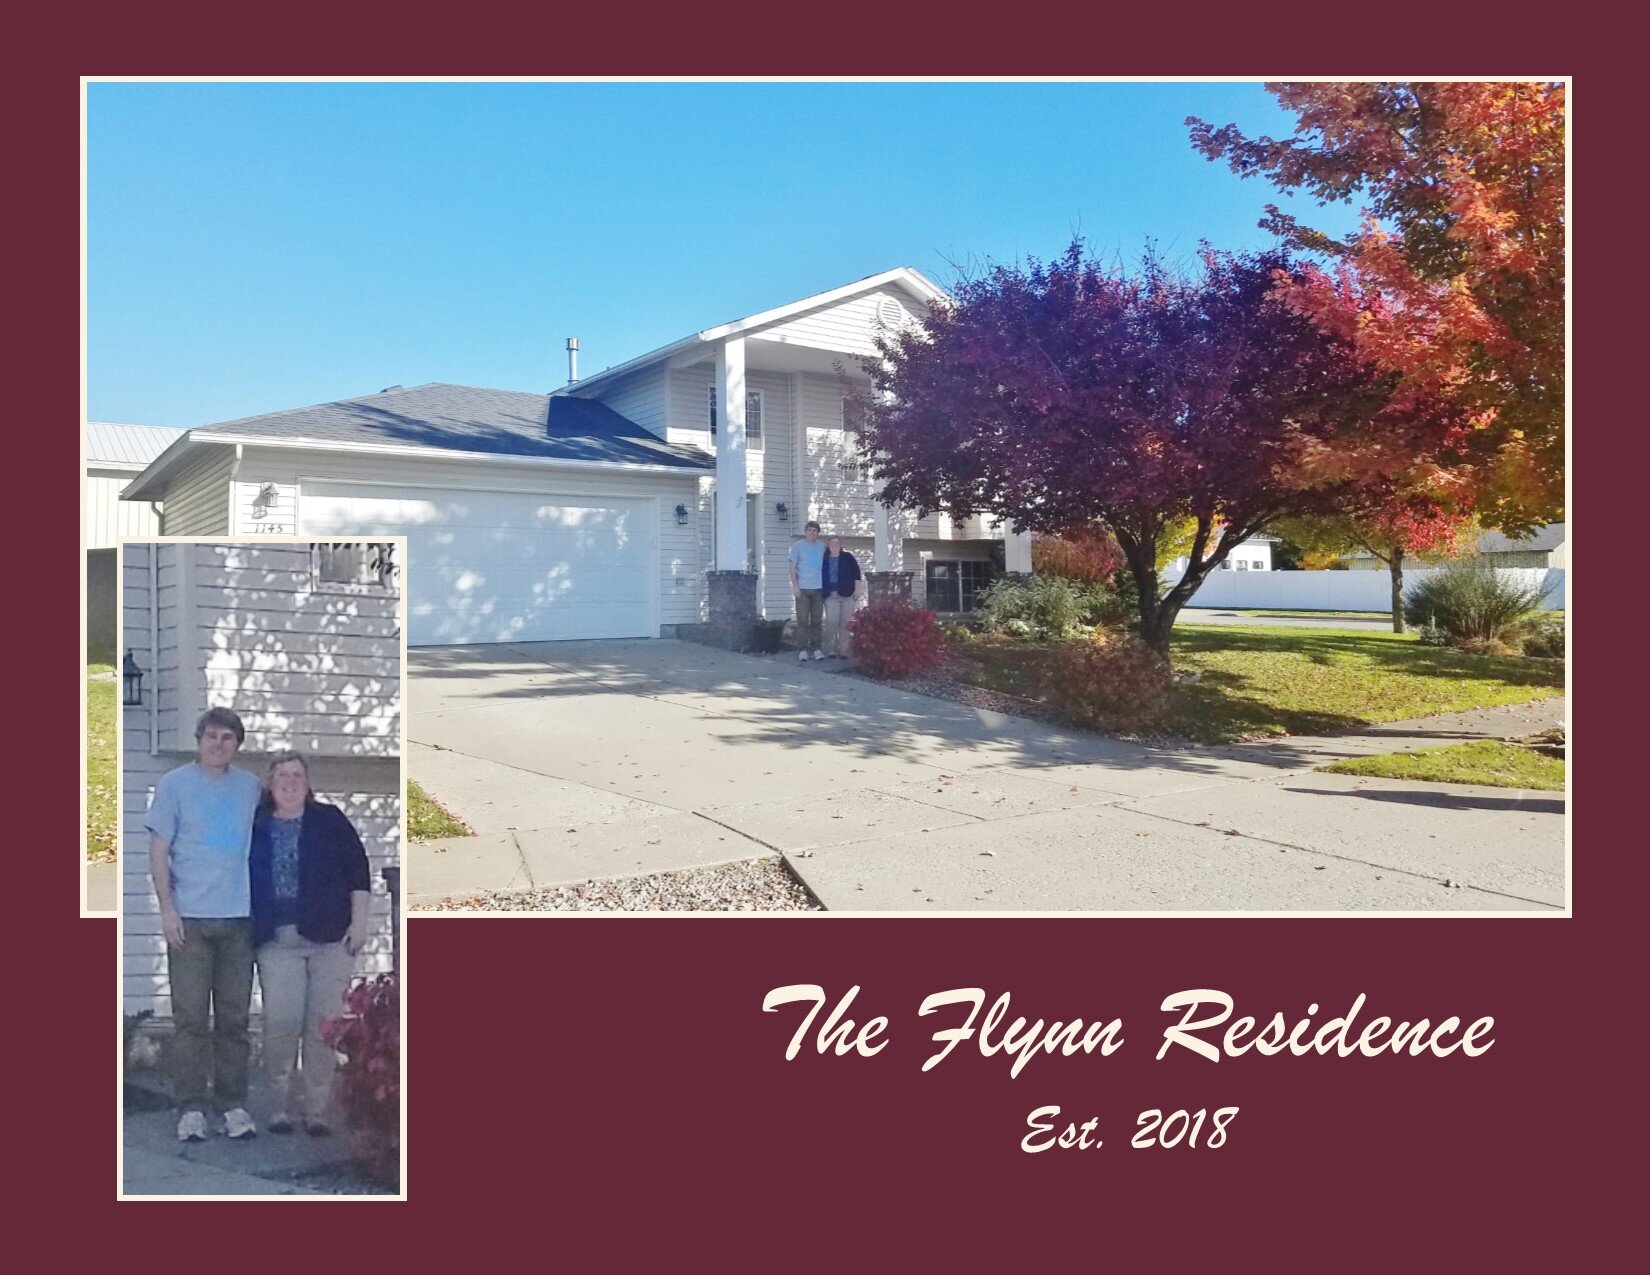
<point>851,460</point>
<point>956,586</point>
<point>753,417</point>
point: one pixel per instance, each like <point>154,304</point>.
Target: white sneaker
<point>801,656</point>
<point>192,1127</point>
<point>237,1124</point>
<point>819,655</point>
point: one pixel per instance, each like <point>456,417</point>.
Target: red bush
<point>1113,682</point>
<point>896,639</point>
<point>369,1079</point>
<point>1083,554</point>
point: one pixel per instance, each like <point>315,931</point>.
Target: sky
<point>253,247</point>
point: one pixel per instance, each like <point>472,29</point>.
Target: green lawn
<point>1489,762</point>
<point>428,819</point>
<point>102,823</point>
<point>1258,681</point>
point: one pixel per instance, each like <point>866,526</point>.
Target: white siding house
<point>595,510</point>
<point>116,454</point>
<point>307,666</point>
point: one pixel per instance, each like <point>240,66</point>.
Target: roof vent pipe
<point>572,360</point>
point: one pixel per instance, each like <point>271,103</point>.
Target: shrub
<point>1086,554</point>
<point>1047,607</point>
<point>1113,682</point>
<point>896,639</point>
<point>368,1081</point>
<point>1542,636</point>
<point>1473,603</point>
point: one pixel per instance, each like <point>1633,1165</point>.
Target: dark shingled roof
<point>465,418</point>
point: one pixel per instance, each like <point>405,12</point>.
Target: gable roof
<point>913,281</point>
<point>115,446</point>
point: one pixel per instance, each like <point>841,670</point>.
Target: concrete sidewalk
<point>1222,615</point>
<point>581,760</point>
<point>102,886</point>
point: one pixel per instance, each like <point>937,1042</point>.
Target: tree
<point>1456,278</point>
<point>1060,394</point>
<point>1401,528</point>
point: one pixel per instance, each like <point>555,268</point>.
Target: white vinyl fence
<point>1340,590</point>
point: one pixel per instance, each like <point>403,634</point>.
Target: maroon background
<point>608,1091</point>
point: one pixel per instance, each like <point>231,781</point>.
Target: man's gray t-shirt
<point>808,559</point>
<point>206,819</point>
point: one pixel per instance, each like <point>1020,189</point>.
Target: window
<point>753,417</point>
<point>955,586</point>
<point>1243,564</point>
<point>366,566</point>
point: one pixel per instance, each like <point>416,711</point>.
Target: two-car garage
<point>506,566</point>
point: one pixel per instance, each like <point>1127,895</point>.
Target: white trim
<point>913,280</point>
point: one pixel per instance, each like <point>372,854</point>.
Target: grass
<point>1256,682</point>
<point>428,819</point>
<point>102,819</point>
<point>1492,763</point>
<point>1322,615</point>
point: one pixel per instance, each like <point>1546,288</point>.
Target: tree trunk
<point>1395,565</point>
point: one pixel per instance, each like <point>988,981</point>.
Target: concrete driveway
<point>596,759</point>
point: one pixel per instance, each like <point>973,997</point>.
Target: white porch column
<point>888,550</point>
<point>1016,550</point>
<point>732,552</point>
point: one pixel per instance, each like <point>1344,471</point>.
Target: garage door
<point>505,566</point>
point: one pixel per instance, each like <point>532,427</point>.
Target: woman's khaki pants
<point>303,983</point>
<point>838,611</point>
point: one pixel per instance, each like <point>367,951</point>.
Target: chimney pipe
<point>572,360</point>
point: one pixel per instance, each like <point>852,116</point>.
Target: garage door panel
<point>502,566</point>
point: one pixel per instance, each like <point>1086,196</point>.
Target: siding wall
<point>846,326</point>
<point>108,517</point>
<point>225,589</point>
<point>197,502</point>
<point>640,397</point>
<point>681,560</point>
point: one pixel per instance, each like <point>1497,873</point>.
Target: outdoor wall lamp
<point>131,677</point>
<point>782,511</point>
<point>681,515</point>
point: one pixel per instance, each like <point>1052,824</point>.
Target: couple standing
<point>248,872</point>
<point>825,581</point>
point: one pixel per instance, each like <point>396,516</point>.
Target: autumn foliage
<point>1085,553</point>
<point>1113,681</point>
<point>896,639</point>
<point>1456,279</point>
<point>368,1081</point>
<point>1070,394</point>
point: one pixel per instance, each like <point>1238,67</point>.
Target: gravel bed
<point>754,885</point>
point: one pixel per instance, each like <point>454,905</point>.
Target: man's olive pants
<point>810,615</point>
<point>211,980</point>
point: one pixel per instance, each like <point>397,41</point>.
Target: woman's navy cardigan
<point>331,863</point>
<point>847,573</point>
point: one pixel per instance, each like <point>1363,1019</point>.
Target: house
<point>115,454</point>
<point>1253,554</point>
<point>304,644</point>
<point>599,510</point>
<point>1545,547</point>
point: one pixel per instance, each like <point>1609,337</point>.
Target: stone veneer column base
<point>888,586</point>
<point>732,614</point>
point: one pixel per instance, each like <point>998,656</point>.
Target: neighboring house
<point>1253,554</point>
<point>1545,547</point>
<point>115,454</point>
<point>306,647</point>
<point>597,510</point>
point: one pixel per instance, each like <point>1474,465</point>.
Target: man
<point>808,588</point>
<point>842,578</point>
<point>200,833</point>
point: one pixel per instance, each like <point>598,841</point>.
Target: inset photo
<point>260,823</point>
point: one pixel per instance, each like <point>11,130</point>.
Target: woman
<point>842,577</point>
<point>310,886</point>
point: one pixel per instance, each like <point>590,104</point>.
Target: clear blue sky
<point>256,247</point>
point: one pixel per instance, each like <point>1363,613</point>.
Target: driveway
<point>579,760</point>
